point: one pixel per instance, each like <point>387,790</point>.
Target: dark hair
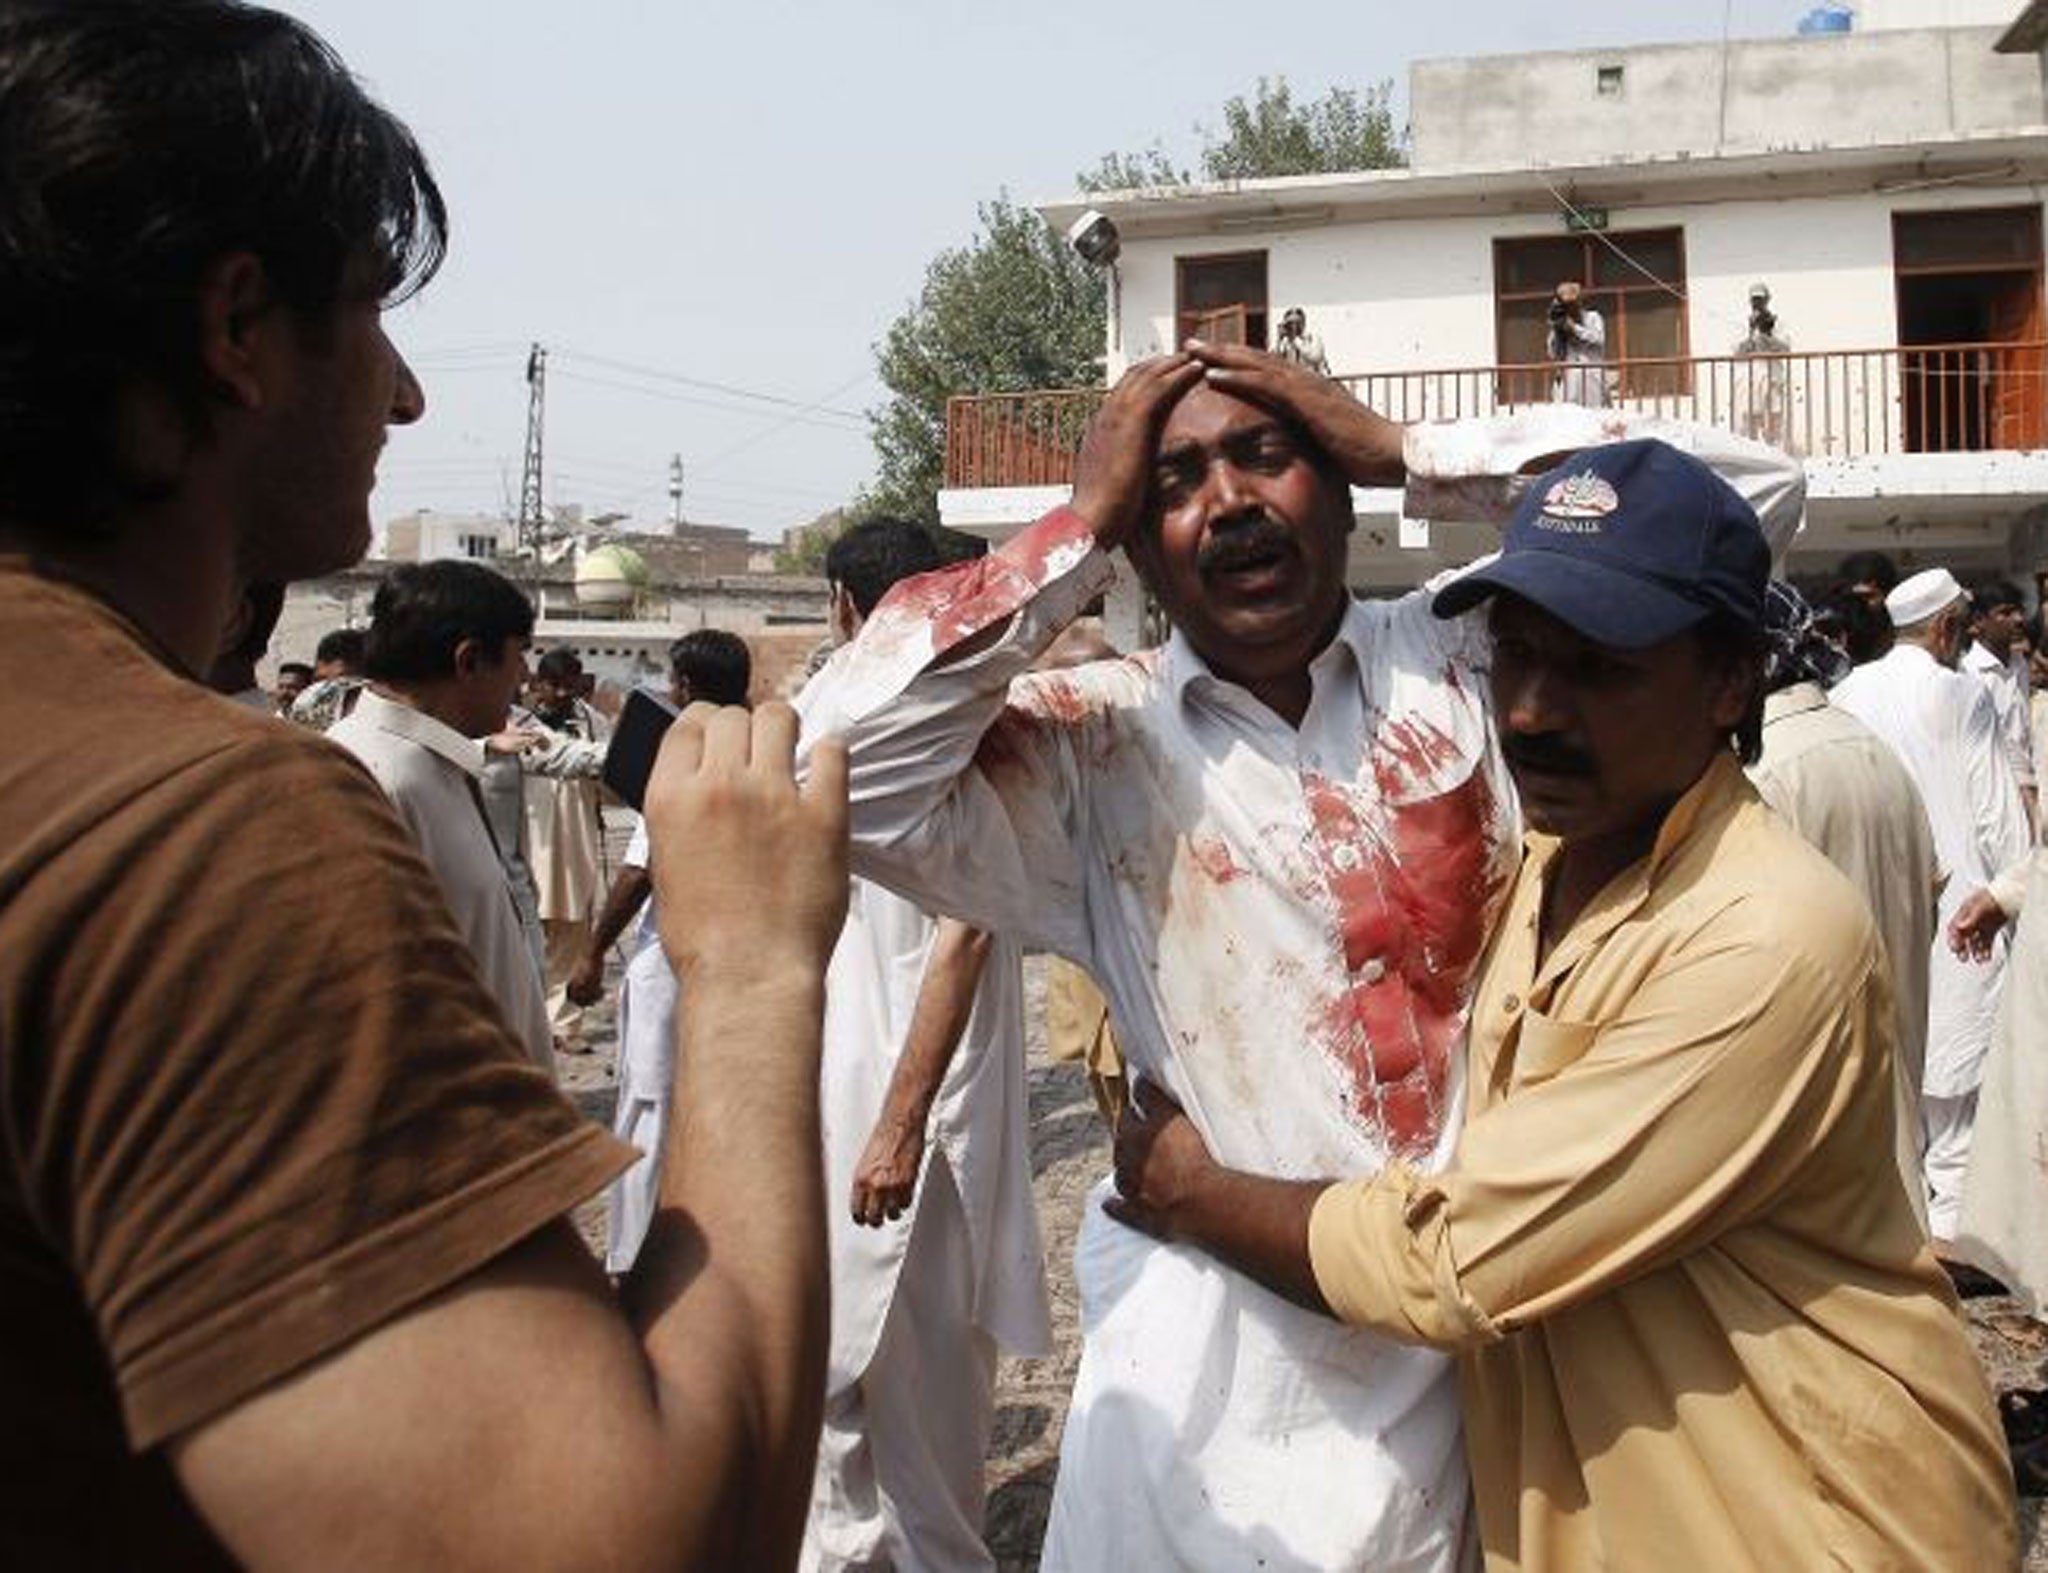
<point>344,645</point>
<point>559,666</point>
<point>300,667</point>
<point>1991,591</point>
<point>1866,629</point>
<point>1726,641</point>
<point>145,140</point>
<point>1869,568</point>
<point>872,557</point>
<point>422,611</point>
<point>715,664</point>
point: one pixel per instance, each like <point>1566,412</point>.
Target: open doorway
<point>1971,329</point>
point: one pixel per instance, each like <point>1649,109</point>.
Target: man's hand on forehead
<point>1113,474</point>
<point>1365,446</point>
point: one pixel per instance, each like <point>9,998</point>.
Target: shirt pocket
<point>1546,1045</point>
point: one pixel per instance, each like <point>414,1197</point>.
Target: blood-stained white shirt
<point>1285,922</point>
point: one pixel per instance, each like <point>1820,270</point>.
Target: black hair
<point>869,559</point>
<point>300,667</point>
<point>1869,568</point>
<point>715,664</point>
<point>344,645</point>
<point>559,666</point>
<point>1727,641</point>
<point>1866,629</point>
<point>422,611</point>
<point>144,141</point>
<point>1991,591</point>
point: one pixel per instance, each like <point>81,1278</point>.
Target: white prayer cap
<point>1916,599</point>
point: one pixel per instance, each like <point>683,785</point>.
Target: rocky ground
<point>1069,1152</point>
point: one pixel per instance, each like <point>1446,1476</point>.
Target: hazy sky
<point>692,204</point>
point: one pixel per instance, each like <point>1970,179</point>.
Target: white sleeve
<point>1998,818</point>
<point>638,853</point>
<point>965,799</point>
<point>1478,469</point>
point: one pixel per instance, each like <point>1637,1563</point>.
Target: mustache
<point>1545,752</point>
<point>1259,535</point>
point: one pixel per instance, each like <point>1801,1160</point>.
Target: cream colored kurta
<point>1845,791</point>
<point>428,770</point>
<point>1698,1325</point>
<point>564,834</point>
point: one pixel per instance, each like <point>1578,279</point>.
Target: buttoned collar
<point>1183,666</point>
<point>416,726</point>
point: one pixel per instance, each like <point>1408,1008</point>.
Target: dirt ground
<point>1069,1152</point>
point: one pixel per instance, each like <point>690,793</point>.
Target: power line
<point>765,433</point>
<point>824,419</point>
<point>731,390</point>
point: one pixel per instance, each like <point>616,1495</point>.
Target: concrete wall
<point>1857,89</point>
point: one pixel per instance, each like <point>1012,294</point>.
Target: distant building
<point>427,536</point>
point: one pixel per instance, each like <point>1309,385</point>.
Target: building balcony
<point>1820,405</point>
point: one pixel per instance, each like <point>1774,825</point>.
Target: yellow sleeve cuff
<point>1381,1256</point>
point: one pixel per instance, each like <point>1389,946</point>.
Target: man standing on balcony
<point>1299,345</point>
<point>1277,844</point>
<point>1578,344</point>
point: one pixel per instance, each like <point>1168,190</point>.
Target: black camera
<point>1558,312</point>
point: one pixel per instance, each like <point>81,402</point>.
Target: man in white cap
<point>1945,729</point>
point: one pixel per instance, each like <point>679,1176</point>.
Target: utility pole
<point>530,520</point>
<point>675,494</point>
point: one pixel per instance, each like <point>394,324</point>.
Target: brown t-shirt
<point>254,1098</point>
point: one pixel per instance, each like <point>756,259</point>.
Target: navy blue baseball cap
<point>1629,544</point>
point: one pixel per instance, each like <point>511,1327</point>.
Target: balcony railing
<point>1937,398</point>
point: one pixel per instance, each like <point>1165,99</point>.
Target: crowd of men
<point>1567,1027</point>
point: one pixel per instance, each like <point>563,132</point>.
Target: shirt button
<point>1511,1004</point>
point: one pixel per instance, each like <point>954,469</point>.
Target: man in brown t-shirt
<point>284,1276</point>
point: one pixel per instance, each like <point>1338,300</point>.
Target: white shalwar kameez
<point>1944,728</point>
<point>921,1304</point>
<point>647,1073</point>
<point>1285,922</point>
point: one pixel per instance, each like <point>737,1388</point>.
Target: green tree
<point>1015,310</point>
<point>1270,134</point>
<point>1133,171</point>
<point>1012,310</point>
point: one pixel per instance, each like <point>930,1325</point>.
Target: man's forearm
<point>628,893</point>
<point>945,1000</point>
<point>1257,1225</point>
<point>745,1324</point>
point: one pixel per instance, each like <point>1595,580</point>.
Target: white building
<point>1886,184</point>
<point>427,536</point>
